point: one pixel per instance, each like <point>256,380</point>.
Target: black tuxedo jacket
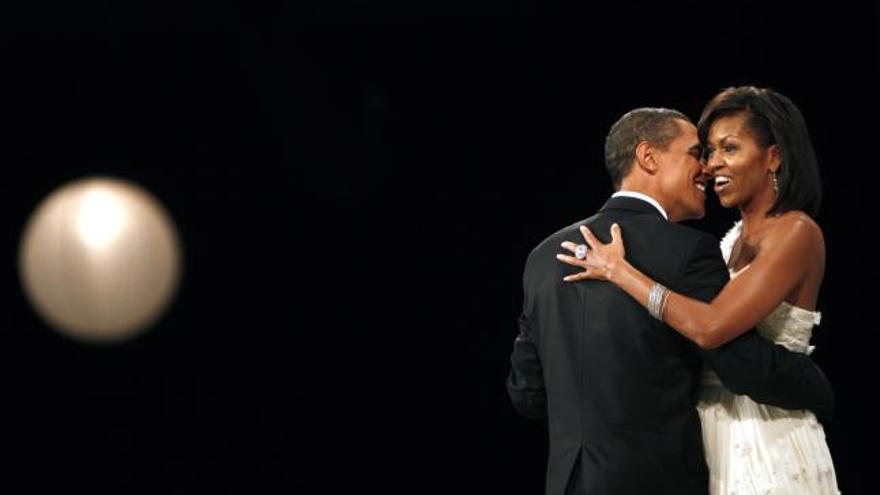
<point>617,386</point>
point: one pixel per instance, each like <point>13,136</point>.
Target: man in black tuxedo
<point>618,387</point>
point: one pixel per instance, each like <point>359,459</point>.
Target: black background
<point>357,186</point>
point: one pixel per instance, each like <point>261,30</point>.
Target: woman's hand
<point>602,260</point>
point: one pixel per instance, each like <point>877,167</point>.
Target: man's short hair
<point>657,126</point>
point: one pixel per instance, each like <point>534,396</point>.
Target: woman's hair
<point>774,120</point>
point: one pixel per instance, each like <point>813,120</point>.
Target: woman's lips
<point>721,183</point>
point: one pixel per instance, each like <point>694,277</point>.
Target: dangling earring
<point>775,183</point>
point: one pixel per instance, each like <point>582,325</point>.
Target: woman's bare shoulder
<point>800,229</point>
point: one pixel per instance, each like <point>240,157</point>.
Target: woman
<point>758,151</point>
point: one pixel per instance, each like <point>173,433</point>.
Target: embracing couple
<point>663,362</point>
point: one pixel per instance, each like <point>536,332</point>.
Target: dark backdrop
<point>357,186</point>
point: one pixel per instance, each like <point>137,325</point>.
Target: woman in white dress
<point>758,151</point>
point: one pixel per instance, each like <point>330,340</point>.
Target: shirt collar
<point>643,197</point>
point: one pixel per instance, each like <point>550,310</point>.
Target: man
<point>619,387</point>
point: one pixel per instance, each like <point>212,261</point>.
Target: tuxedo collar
<point>638,195</point>
<point>635,205</point>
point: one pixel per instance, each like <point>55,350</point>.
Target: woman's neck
<point>754,213</point>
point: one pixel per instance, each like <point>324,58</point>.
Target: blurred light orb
<point>100,259</point>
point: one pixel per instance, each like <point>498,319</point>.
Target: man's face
<point>682,178</point>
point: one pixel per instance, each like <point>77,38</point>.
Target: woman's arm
<point>786,255</point>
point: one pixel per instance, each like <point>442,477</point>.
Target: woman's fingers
<point>592,241</point>
<point>571,260</point>
<point>616,234</point>
<point>577,277</point>
<point>570,246</point>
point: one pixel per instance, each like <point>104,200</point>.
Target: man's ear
<point>646,157</point>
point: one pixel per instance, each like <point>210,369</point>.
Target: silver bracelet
<point>656,300</point>
<point>663,303</point>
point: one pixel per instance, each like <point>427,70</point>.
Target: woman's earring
<point>775,183</point>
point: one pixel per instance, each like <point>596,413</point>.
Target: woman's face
<point>740,167</point>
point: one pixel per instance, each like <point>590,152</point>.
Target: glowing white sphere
<point>100,259</point>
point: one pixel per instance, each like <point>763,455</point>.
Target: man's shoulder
<point>690,234</point>
<point>655,228</point>
<point>567,233</point>
<point>689,243</point>
<point>661,232</point>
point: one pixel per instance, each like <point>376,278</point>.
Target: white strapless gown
<point>756,449</point>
